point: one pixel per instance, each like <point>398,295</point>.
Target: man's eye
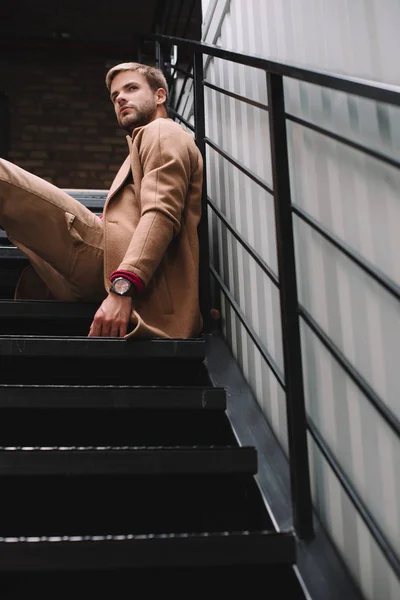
<point>132,87</point>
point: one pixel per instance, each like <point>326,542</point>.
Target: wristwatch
<point>121,286</point>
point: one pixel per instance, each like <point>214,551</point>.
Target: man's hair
<point>154,77</point>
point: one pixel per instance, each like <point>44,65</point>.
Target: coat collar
<point>122,174</point>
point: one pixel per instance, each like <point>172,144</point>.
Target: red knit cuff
<point>134,279</point>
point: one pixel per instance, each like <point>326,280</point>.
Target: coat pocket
<point>70,219</point>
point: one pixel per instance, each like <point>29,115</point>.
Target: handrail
<point>381,92</point>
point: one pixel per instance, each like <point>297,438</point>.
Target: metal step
<point>43,310</point>
<point>112,504</point>
<point>143,551</point>
<point>98,348</point>
<point>93,427</point>
<point>125,460</point>
<point>4,241</point>
<point>89,198</point>
<point>112,397</point>
<point>11,256</point>
<point>37,317</point>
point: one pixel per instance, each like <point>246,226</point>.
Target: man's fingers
<point>123,329</point>
<point>98,327</point>
<point>112,318</point>
<point>114,330</point>
<point>94,330</point>
<point>104,329</point>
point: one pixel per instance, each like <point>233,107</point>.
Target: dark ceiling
<point>96,24</point>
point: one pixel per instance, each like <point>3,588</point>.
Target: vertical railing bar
<point>181,93</point>
<point>167,14</point>
<point>177,18</point>
<point>295,404</point>
<point>200,134</point>
<point>189,17</point>
<point>158,55</point>
<point>4,125</point>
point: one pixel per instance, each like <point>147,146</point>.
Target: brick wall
<point>62,125</point>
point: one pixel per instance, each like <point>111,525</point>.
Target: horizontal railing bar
<point>361,262</point>
<point>356,499</point>
<point>178,116</point>
<point>351,85</point>
<point>388,416</point>
<point>239,166</point>
<point>378,155</point>
<point>235,96</point>
<point>263,351</point>
<point>182,72</point>
<point>260,261</point>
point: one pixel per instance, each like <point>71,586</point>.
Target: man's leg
<point>61,237</point>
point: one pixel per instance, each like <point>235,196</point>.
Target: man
<point>141,259</point>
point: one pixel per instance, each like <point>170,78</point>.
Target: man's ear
<point>161,96</point>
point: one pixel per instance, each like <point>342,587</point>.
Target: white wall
<point>355,197</point>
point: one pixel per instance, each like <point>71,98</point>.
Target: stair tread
<point>126,448</point>
<point>84,195</point>
<point>112,396</point>
<point>224,465</point>
<point>12,253</point>
<point>119,460</point>
<point>129,551</point>
<point>41,309</point>
<point>63,346</point>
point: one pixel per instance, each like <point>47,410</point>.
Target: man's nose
<point>121,99</point>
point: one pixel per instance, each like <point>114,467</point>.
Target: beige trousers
<point>62,238</point>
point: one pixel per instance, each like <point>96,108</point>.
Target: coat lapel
<point>136,170</point>
<point>122,174</point>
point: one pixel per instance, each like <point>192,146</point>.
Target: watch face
<point>122,286</point>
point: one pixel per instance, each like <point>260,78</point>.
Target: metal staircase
<point>119,464</point>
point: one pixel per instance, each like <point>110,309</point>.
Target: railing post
<point>4,125</point>
<point>295,405</point>
<point>162,62</point>
<point>200,134</point>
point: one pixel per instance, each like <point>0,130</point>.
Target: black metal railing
<point>177,18</point>
<point>4,125</point>
<point>291,310</point>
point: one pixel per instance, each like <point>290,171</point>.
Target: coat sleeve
<point>165,159</point>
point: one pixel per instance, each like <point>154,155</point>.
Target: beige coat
<point>150,228</point>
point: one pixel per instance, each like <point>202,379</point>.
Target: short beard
<point>139,118</point>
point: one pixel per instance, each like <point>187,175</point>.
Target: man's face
<point>135,103</point>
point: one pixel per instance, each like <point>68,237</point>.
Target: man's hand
<point>112,318</point>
